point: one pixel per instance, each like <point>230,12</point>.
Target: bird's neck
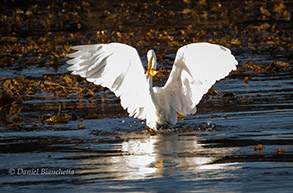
<point>150,80</point>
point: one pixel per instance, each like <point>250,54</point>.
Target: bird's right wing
<point>118,67</point>
<point>196,68</point>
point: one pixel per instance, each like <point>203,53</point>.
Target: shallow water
<point>199,154</point>
<point>241,142</point>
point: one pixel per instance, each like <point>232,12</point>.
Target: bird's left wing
<point>118,67</point>
<point>196,68</point>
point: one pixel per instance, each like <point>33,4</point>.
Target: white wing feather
<point>118,67</point>
<point>196,68</point>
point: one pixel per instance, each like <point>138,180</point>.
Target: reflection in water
<point>138,155</point>
<point>153,156</point>
<point>222,166</point>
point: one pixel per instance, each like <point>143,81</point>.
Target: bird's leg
<point>151,131</point>
<point>150,71</point>
<point>179,117</point>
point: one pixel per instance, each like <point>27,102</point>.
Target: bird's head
<point>152,64</point>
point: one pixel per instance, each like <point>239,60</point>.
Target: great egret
<point>118,67</point>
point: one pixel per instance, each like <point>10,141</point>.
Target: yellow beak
<point>150,71</point>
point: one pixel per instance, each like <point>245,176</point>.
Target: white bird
<point>118,67</point>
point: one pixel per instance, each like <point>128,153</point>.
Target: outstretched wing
<point>118,67</point>
<point>196,68</point>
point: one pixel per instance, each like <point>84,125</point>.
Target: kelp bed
<point>35,38</point>
<point>242,133</point>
